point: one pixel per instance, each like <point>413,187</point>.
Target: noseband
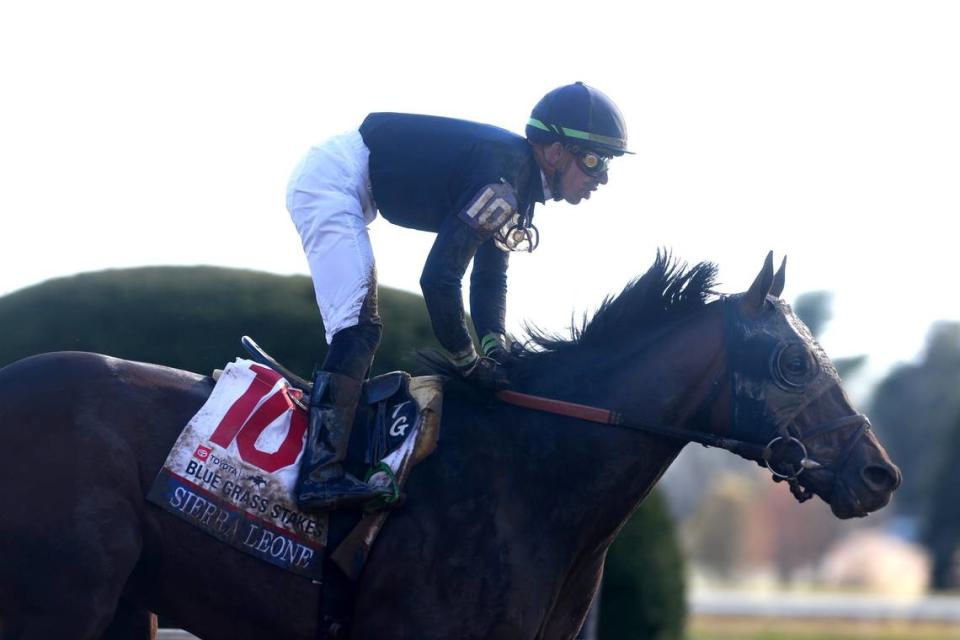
<point>777,455</point>
<point>792,438</point>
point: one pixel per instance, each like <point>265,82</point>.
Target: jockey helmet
<point>580,115</point>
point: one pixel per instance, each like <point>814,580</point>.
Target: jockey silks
<point>427,168</point>
<point>430,173</point>
<point>460,179</point>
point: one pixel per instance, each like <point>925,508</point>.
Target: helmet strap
<point>555,185</point>
<point>557,178</point>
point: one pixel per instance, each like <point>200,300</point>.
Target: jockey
<point>475,186</point>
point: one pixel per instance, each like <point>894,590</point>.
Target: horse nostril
<point>880,478</point>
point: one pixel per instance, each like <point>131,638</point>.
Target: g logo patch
<point>490,208</point>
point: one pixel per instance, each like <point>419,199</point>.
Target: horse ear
<point>752,301</point>
<point>779,279</point>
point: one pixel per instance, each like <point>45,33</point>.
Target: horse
<point>505,527</point>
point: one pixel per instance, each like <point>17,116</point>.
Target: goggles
<point>591,163</point>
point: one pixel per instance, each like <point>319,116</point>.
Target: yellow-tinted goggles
<point>592,163</point>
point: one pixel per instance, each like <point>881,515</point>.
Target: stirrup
<point>392,496</point>
<point>323,495</point>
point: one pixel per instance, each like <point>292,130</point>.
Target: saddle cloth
<point>232,470</point>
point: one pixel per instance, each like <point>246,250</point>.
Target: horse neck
<point>664,378</point>
<point>663,381</point>
<point>668,380</point>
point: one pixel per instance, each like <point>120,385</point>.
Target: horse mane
<point>665,294</point>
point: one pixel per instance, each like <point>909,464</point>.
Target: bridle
<point>801,493</point>
<point>785,455</point>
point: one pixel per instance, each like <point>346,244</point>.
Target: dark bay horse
<point>507,524</point>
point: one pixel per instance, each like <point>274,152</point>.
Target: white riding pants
<point>330,200</point>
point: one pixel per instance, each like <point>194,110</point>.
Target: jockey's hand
<point>494,347</point>
<point>487,373</point>
<point>502,357</point>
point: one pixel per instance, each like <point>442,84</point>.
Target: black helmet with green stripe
<point>579,114</point>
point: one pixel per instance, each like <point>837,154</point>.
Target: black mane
<point>666,293</point>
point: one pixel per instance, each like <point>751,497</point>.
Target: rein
<point>609,417</point>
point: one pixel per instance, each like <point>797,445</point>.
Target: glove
<point>486,373</point>
<point>493,347</point>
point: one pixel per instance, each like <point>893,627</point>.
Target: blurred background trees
<point>914,409</point>
<point>941,527</point>
<point>643,592</point>
<point>916,412</point>
<point>719,533</point>
<point>192,318</point>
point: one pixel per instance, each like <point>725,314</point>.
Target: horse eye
<point>794,365</point>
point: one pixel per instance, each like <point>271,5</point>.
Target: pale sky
<point>136,133</point>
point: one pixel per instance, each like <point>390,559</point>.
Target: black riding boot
<point>322,483</point>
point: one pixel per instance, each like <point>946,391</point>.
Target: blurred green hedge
<point>192,318</point>
<point>643,592</point>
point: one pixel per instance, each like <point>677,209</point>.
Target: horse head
<point>786,397</point>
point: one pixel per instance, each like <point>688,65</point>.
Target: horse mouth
<point>847,504</point>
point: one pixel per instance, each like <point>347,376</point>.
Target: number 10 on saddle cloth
<point>232,470</point>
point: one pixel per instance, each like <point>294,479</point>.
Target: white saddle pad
<point>233,469</point>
